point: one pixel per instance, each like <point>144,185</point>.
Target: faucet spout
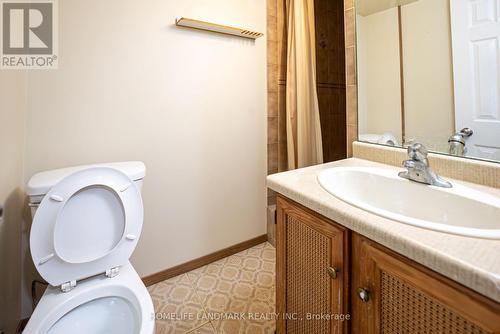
<point>456,143</point>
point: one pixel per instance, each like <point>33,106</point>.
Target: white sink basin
<point>458,210</point>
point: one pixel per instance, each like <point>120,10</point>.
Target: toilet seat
<point>88,223</point>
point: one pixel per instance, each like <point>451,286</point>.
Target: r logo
<point>27,28</point>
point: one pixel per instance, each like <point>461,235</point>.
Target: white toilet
<point>86,224</point>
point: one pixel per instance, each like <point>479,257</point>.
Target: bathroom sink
<point>459,210</point>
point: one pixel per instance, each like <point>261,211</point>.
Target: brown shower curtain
<point>304,143</point>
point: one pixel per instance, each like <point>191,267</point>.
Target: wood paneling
<point>332,101</point>
<point>330,46</point>
<point>282,53</point>
<point>273,64</point>
<point>331,77</point>
<point>351,80</point>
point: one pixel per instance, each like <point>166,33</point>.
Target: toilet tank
<point>42,182</point>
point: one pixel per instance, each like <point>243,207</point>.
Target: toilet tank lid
<point>42,182</point>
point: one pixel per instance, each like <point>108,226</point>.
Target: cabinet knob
<point>333,272</point>
<point>364,295</point>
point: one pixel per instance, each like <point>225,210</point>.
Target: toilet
<point>87,221</point>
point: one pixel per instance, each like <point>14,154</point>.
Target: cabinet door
<point>391,294</point>
<point>311,272</point>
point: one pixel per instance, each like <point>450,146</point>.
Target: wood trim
<point>280,258</point>
<point>202,261</point>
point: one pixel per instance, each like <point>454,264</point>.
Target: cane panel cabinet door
<point>391,294</point>
<point>311,272</point>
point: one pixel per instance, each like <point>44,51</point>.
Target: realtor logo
<point>29,34</point>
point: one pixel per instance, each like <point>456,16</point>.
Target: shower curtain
<point>304,144</point>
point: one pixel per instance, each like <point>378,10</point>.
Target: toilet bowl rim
<point>59,304</point>
<point>89,296</point>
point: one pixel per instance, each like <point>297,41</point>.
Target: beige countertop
<point>472,262</point>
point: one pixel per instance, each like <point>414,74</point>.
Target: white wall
<point>379,82</point>
<point>12,114</point>
<point>428,67</point>
<point>190,104</point>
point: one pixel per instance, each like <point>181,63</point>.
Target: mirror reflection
<point>428,72</point>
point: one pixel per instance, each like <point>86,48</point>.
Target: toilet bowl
<point>87,222</point>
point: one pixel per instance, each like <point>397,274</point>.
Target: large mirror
<point>428,71</point>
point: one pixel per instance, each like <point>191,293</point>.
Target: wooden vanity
<point>333,280</point>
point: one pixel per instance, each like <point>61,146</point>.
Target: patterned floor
<point>231,296</point>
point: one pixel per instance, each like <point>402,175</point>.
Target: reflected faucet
<point>457,142</point>
<point>418,168</point>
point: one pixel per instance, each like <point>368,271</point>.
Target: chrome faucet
<point>418,168</point>
<point>457,142</point>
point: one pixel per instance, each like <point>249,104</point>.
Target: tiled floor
<point>233,295</point>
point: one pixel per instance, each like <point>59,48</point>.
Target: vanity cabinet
<point>311,272</point>
<point>323,269</point>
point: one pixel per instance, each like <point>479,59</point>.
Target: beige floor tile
<point>243,283</point>
<point>204,329</point>
<point>246,327</point>
<point>177,306</point>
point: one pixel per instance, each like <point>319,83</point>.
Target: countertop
<point>473,262</point>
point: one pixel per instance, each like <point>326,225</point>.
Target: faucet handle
<point>466,132</point>
<point>418,152</point>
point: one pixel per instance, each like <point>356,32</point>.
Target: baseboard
<point>202,261</point>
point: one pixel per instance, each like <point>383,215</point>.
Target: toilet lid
<point>87,223</point>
